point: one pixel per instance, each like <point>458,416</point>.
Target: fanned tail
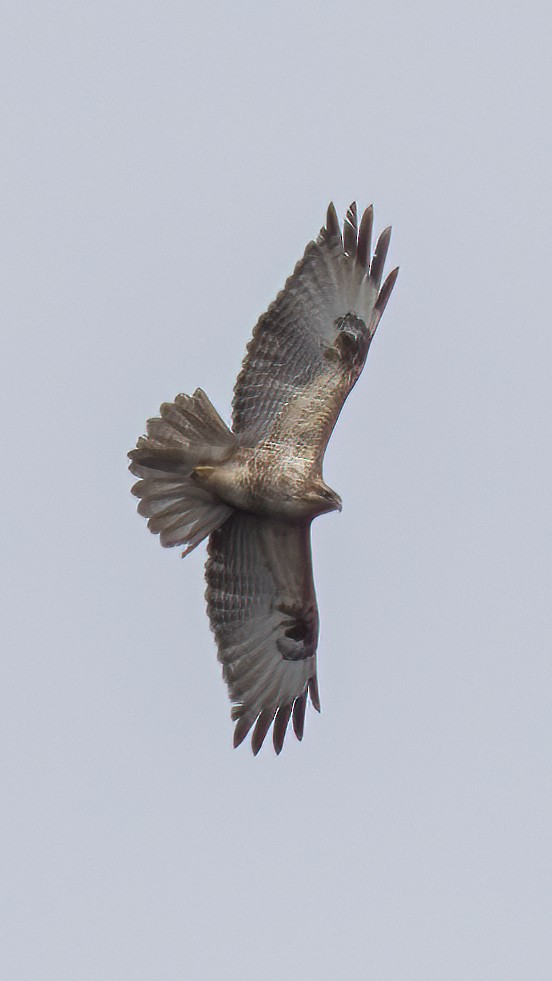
<point>188,433</point>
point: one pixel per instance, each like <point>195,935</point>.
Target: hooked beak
<point>331,495</point>
<point>328,497</point>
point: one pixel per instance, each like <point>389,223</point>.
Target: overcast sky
<point>164,166</point>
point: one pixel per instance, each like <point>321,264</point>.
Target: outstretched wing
<point>287,352</point>
<point>262,607</point>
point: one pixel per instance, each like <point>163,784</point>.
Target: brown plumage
<point>255,489</point>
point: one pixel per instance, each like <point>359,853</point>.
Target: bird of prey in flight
<point>255,489</point>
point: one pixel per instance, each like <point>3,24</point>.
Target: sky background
<point>164,165</point>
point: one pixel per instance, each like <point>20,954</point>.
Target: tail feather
<point>189,433</point>
<point>190,426</point>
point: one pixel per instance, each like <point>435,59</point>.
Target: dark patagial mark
<point>302,628</point>
<point>298,631</point>
<point>352,341</point>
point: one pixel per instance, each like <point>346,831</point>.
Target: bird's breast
<point>268,479</point>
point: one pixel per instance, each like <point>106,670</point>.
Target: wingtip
<point>393,275</point>
<point>380,255</point>
<point>243,725</point>
<point>299,715</point>
<point>280,727</point>
<point>314,693</point>
<point>332,221</point>
<point>365,236</point>
<point>350,230</point>
<point>352,213</point>
<point>261,728</point>
<point>383,298</point>
<point>237,740</point>
<point>386,290</point>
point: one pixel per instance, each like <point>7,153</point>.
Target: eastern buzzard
<point>255,489</point>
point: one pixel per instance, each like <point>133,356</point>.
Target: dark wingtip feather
<point>280,727</point>
<point>365,236</point>
<point>350,228</point>
<point>314,693</point>
<point>299,715</point>
<point>243,726</point>
<point>263,725</point>
<point>380,255</point>
<point>332,222</point>
<point>386,290</point>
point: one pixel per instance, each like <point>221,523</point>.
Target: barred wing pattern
<point>262,608</point>
<point>336,276</point>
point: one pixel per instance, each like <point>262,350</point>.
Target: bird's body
<point>262,480</point>
<point>256,489</point>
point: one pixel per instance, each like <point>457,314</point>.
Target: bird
<point>255,488</point>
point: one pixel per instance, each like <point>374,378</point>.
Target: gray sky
<point>164,166</point>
